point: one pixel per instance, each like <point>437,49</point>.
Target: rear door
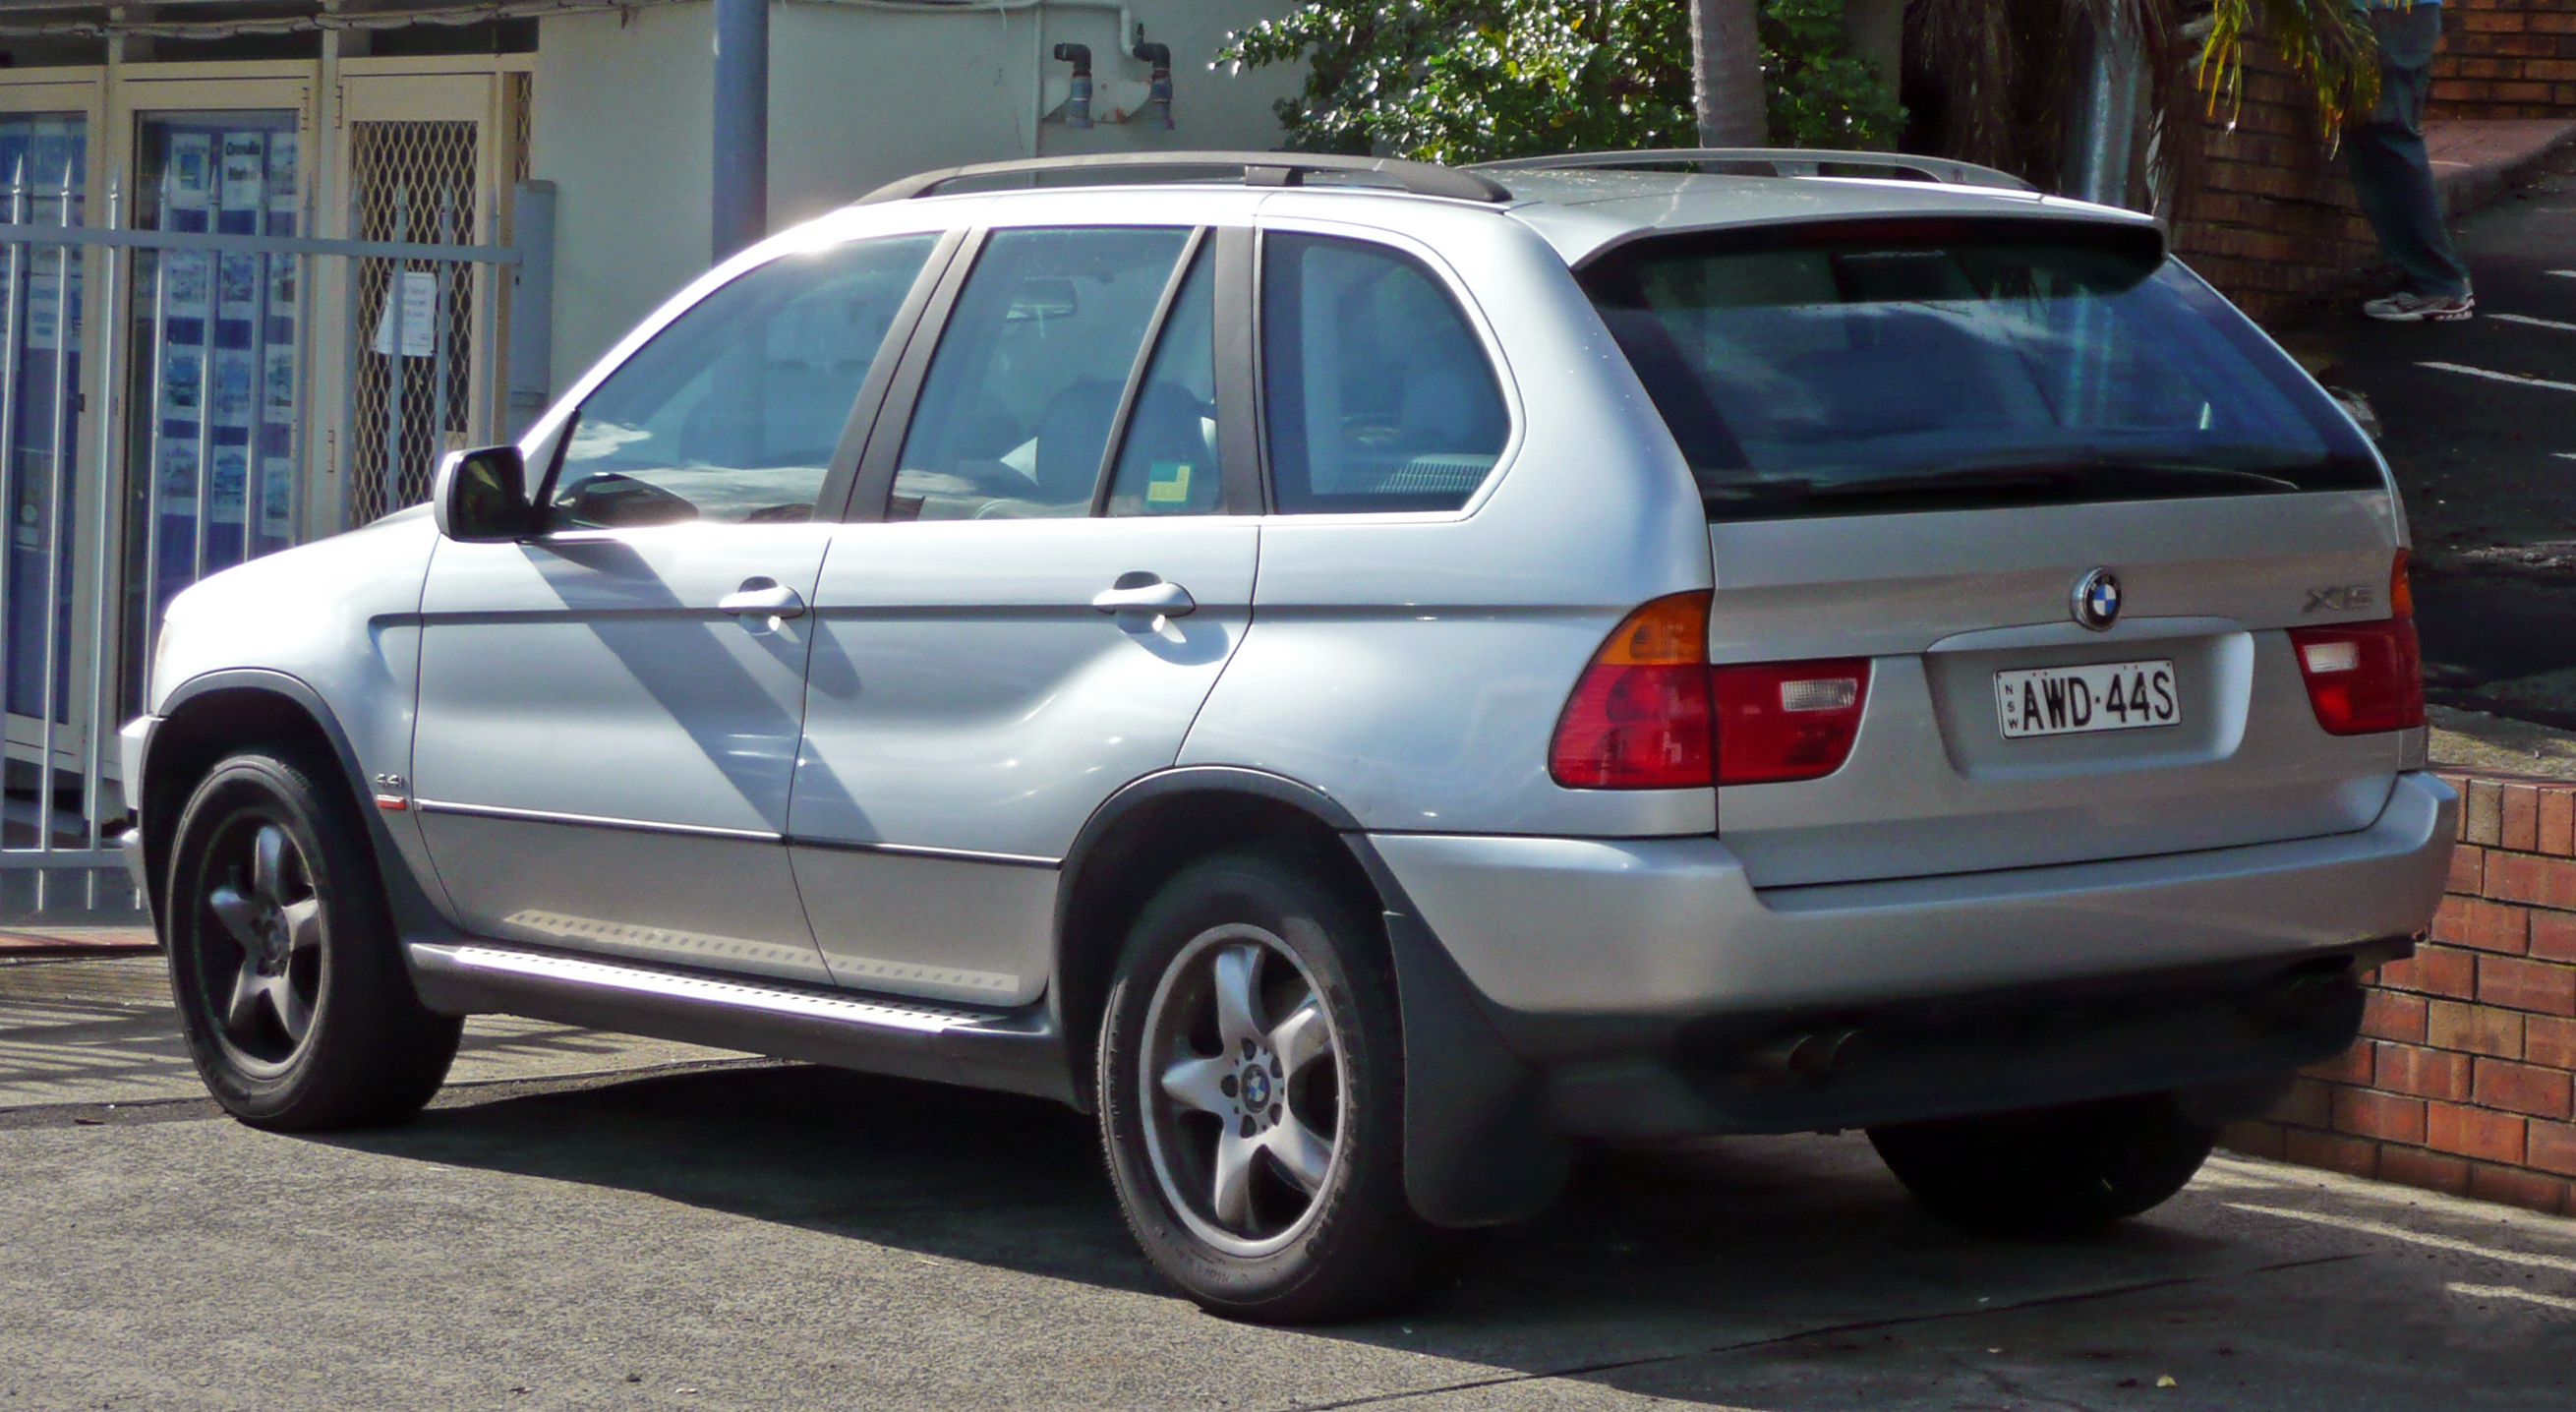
<point>1999,460</point>
<point>1045,572</point>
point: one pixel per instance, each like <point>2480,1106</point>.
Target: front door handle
<point>767,597</point>
<point>1144,593</point>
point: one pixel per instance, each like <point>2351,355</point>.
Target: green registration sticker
<point>1167,483</point>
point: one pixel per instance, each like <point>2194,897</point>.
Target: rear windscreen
<point>1872,366</point>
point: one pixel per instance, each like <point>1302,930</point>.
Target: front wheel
<point>1252,1093</point>
<point>2055,1171</point>
<point>290,981</point>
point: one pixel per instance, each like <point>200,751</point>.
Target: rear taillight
<point>2366,677</point>
<point>1787,720</point>
<point>1639,718</point>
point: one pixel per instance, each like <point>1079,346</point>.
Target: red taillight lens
<point>1787,720</point>
<point>2366,677</point>
<point>1639,717</point>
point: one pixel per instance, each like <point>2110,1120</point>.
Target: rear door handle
<point>1168,600</point>
<point>767,597</point>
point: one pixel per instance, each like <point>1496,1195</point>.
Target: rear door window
<point>1378,393</point>
<point>1015,414</point>
<point>1893,365</point>
<point>1167,460</point>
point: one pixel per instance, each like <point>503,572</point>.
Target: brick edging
<point>2464,1079</point>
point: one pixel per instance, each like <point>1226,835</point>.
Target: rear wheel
<point>290,981</point>
<point>2054,1171</point>
<point>1251,1096</point>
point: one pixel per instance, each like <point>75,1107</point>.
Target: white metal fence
<point>205,447</point>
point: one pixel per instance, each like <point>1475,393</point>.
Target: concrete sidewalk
<point>2477,160</point>
<point>101,1030</point>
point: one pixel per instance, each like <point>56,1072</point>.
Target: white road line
<point>2564,455</point>
<point>2438,1242</point>
<point>2564,274</point>
<point>2535,323</point>
<point>2509,1292</point>
<point>2515,378</point>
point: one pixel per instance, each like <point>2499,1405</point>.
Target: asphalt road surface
<point>762,1235</point>
<point>2480,423</point>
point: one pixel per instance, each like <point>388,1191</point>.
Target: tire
<point>2051,1172</point>
<point>1251,1091</point>
<point>290,981</point>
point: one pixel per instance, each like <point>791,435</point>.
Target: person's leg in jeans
<point>2390,175</point>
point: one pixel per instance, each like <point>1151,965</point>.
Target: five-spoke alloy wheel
<point>1240,1111</point>
<point>290,981</point>
<point>1251,1094</point>
<point>264,955</point>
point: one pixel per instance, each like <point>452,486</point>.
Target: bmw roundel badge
<point>2096,600</point>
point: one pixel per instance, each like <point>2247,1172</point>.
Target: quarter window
<point>1015,414</point>
<point>733,412</point>
<point>1379,396</point>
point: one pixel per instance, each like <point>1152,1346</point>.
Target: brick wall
<point>2462,1079</point>
<point>2271,220</point>
<point>2506,59</point>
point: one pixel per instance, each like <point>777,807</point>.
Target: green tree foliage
<point>1474,80</point>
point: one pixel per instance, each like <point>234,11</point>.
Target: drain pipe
<point>740,204</point>
<point>2102,139</point>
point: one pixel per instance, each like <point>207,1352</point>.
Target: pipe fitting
<point>1158,90</point>
<point>1075,110</point>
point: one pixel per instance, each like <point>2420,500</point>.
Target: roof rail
<point>1783,161</point>
<point>1258,168</point>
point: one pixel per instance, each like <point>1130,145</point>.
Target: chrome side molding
<point>1017,1050</point>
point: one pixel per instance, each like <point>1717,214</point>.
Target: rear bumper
<point>1560,935</point>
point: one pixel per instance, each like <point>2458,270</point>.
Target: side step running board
<point>1018,1051</point>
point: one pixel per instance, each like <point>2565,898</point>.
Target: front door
<point>609,712</point>
<point>978,687</point>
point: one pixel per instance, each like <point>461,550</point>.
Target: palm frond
<point>2326,43</point>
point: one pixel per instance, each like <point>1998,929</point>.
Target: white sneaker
<point>2407,307</point>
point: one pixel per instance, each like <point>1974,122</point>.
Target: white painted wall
<point>857,98</point>
<point>623,129</point>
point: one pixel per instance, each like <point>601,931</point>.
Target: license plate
<point>2104,696</point>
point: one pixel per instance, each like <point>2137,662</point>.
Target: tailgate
<point>1944,603</point>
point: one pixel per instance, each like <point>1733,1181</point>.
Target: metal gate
<point>202,436</point>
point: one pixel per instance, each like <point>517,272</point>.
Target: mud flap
<point>1477,1149</point>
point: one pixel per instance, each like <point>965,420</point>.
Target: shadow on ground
<point>1767,1272</point>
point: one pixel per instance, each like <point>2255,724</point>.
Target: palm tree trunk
<point>1726,74</point>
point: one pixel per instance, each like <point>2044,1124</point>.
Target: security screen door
<point>609,712</point>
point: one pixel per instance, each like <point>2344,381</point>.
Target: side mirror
<point>481,496</point>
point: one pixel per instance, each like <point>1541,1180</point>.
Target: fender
<point>416,917</point>
<point>1477,1148</point>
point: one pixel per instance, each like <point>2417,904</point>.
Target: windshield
<point>1881,365</point>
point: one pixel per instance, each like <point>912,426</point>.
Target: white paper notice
<point>419,313</point>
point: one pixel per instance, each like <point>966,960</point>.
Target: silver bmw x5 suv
<point>1363,675</point>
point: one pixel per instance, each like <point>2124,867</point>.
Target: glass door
<point>219,342</point>
<point>44,179</point>
<point>217,345</point>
